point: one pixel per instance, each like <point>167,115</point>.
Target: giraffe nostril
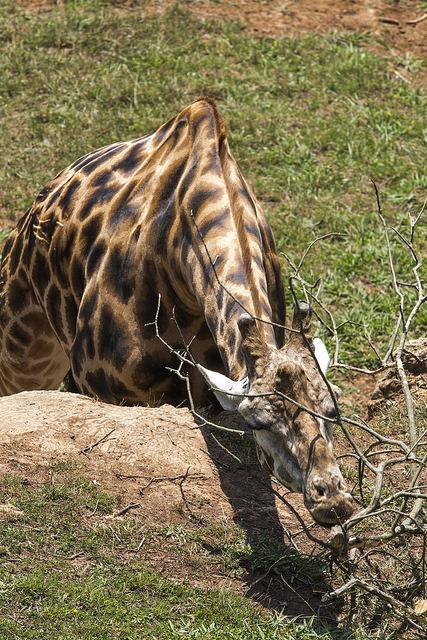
<point>319,489</point>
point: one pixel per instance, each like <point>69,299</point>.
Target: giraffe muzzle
<point>327,499</point>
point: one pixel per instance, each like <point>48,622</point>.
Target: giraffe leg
<point>31,356</point>
<point>69,384</point>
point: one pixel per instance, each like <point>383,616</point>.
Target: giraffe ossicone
<point>168,217</point>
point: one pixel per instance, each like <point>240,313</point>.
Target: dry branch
<point>417,20</point>
<point>390,518</point>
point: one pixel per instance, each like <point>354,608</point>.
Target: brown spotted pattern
<point>83,271</point>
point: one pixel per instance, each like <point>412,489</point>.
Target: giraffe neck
<point>223,257</point>
<point>227,282</point>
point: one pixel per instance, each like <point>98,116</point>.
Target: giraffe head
<point>293,445</point>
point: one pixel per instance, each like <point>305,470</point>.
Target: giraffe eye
<point>332,413</point>
<point>257,425</point>
<point>262,425</point>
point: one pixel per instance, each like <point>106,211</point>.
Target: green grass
<point>310,120</point>
<point>69,573</point>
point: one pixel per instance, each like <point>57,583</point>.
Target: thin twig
<point>132,505</point>
<point>180,476</point>
<point>87,450</point>
<point>417,20</point>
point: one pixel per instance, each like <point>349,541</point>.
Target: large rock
<point>156,457</point>
<point>47,426</point>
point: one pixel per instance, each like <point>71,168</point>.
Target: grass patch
<point>107,590</point>
<point>310,119</point>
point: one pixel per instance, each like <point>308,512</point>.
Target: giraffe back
<point>157,235</point>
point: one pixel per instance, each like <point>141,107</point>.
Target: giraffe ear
<point>302,317</point>
<point>227,391</point>
<point>252,344</point>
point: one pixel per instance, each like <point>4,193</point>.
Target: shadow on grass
<point>278,576</point>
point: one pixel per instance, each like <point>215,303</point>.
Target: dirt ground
<point>398,26</point>
<point>170,470</point>
<point>175,473</point>
<point>156,456</point>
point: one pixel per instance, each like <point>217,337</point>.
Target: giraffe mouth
<point>325,495</point>
<point>330,512</point>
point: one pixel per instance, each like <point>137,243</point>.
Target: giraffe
<point>162,237</point>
